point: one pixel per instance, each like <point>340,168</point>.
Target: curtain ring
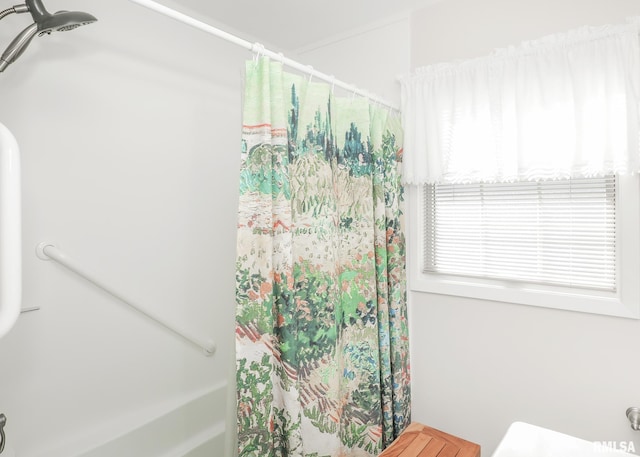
<point>310,73</point>
<point>258,51</point>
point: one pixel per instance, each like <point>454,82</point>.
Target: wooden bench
<point>421,441</point>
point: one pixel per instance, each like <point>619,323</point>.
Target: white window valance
<point>563,106</point>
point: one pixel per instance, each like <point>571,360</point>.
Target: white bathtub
<point>195,428</point>
<point>527,440</point>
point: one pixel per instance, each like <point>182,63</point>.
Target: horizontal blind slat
<point>551,232</point>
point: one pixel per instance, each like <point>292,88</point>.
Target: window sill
<point>605,303</point>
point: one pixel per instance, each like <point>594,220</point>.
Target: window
<point>569,244</point>
<point>563,105</point>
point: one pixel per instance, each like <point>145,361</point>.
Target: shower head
<point>62,21</point>
<point>44,23</point>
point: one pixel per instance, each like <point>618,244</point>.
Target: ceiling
<point>291,25</point>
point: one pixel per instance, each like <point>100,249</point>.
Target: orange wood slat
<point>415,447</point>
<point>433,449</point>
<point>418,440</point>
<point>398,446</point>
<point>450,450</point>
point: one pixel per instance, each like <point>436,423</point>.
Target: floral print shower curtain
<point>321,322</point>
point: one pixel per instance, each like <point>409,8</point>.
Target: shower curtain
<point>321,321</point>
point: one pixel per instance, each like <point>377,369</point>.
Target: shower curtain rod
<point>259,49</point>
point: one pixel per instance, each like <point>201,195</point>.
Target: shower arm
<point>18,45</point>
<point>14,9</point>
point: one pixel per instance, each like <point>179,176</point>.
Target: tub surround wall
<point>129,132</point>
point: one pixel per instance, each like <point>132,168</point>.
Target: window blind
<point>559,232</point>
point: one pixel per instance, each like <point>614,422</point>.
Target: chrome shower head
<point>44,24</point>
<point>61,21</point>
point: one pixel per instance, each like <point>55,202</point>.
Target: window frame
<point>625,302</point>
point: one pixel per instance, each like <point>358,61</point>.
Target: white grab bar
<point>10,231</point>
<point>48,251</point>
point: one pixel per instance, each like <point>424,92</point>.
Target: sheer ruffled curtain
<point>560,107</point>
<point>321,326</point>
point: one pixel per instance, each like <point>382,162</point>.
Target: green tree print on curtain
<point>321,322</point>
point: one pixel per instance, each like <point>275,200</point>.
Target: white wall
<point>129,131</point>
<point>370,58</point>
<point>478,366</point>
